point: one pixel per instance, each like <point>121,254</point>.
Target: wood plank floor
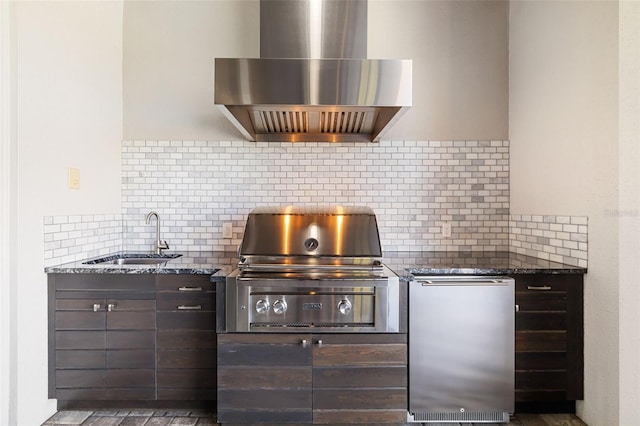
<point>199,418</point>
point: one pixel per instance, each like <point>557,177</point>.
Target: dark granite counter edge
<point>492,271</point>
<point>189,263</point>
<point>404,264</point>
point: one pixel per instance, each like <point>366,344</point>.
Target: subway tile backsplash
<point>73,238</point>
<point>413,186</point>
<point>557,238</point>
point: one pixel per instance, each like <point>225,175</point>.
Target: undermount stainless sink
<point>133,259</point>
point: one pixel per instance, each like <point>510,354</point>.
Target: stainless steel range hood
<point>313,81</point>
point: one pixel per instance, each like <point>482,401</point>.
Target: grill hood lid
<point>313,81</point>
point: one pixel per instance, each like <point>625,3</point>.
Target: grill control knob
<point>262,306</point>
<point>279,306</point>
<point>344,306</point>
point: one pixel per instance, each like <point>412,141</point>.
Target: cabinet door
<point>186,337</point>
<point>104,348</point>
<point>549,338</point>
<point>264,378</point>
<point>80,344</point>
<point>360,378</point>
<point>130,354</point>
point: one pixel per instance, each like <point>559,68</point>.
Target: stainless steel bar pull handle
<point>111,307</point>
<point>319,343</point>
<point>304,343</point>
<point>96,307</point>
<point>538,287</point>
<point>189,288</point>
<point>189,307</point>
<point>517,308</point>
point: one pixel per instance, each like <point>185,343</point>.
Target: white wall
<point>459,51</point>
<point>8,239</point>
<point>68,113</point>
<point>563,109</point>
<point>629,208</point>
<point>169,48</point>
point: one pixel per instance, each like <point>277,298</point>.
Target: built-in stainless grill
<point>320,268</point>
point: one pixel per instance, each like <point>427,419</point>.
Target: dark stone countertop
<point>472,263</point>
<point>217,264</point>
<point>405,264</point>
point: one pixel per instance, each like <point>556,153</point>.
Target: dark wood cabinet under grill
<point>549,341</point>
<point>312,378</point>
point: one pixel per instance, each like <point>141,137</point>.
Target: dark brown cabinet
<point>186,337</point>
<point>134,338</point>
<point>312,378</point>
<point>103,340</point>
<point>549,341</point>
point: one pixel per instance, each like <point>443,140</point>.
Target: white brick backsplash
<point>73,238</point>
<point>411,185</point>
<point>559,238</point>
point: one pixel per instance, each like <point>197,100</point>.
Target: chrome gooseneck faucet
<point>160,245</point>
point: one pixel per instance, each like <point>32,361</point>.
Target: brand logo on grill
<point>312,306</point>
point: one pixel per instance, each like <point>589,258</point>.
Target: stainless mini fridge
<point>461,349</point>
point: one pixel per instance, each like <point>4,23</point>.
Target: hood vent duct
<point>312,81</point>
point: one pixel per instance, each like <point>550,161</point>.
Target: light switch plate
<point>73,178</point>
<point>227,230</point>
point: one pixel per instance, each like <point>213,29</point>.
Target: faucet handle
<point>163,245</point>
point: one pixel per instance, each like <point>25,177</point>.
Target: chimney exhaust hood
<point>313,81</point>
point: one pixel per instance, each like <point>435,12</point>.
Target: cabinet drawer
<point>185,283</point>
<point>170,301</point>
<point>543,282</point>
<point>186,320</point>
<point>187,359</point>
